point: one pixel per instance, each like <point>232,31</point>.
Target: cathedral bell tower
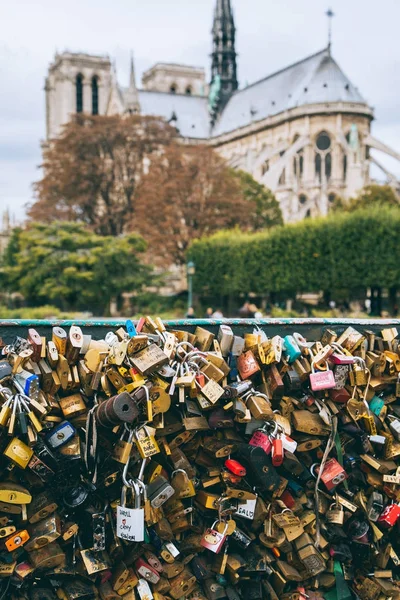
<point>223,69</point>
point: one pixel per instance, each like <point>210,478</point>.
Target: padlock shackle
<point>219,521</point>
<point>300,340</point>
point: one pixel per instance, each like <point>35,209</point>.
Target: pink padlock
<point>389,516</point>
<point>322,380</point>
<point>263,439</point>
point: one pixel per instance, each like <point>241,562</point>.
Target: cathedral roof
<point>191,112</point>
<point>313,80</point>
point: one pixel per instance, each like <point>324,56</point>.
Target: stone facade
<point>283,154</point>
<point>175,79</point>
<point>304,132</point>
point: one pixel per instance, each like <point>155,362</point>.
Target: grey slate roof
<point>316,79</point>
<point>313,80</point>
<point>192,111</point>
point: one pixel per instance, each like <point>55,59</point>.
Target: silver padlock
<point>130,521</point>
<point>374,506</point>
<point>394,427</point>
<point>159,491</point>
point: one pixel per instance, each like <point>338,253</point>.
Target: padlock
<point>213,540</point>
<point>60,435</point>
<point>333,473</point>
<point>262,438</point>
<point>19,453</point>
<point>122,408</point>
<point>291,348</point>
<point>145,571</point>
<point>159,491</point>
<point>130,521</point>
<point>321,380</point>
<point>123,448</point>
<point>183,486</point>
<point>374,506</point>
<point>389,516</point>
<point>335,514</point>
<point>146,442</point>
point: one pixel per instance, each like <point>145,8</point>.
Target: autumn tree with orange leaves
<point>118,175</point>
<point>92,170</point>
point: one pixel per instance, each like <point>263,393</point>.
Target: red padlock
<point>341,395</point>
<point>200,380</point>
<point>235,467</point>
<point>214,540</point>
<point>146,571</point>
<point>277,451</point>
<point>333,473</point>
<point>389,516</point>
<point>288,499</point>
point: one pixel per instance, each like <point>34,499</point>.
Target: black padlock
<point>241,538</point>
<point>200,568</point>
<point>259,467</point>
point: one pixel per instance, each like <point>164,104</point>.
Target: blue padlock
<point>60,435</point>
<point>130,328</point>
<point>291,349</point>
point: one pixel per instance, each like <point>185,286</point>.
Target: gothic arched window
<point>302,199</point>
<point>344,167</point>
<point>328,166</point>
<point>323,158</point>
<point>172,89</point>
<point>318,162</point>
<point>95,95</point>
<point>79,93</point>
<point>265,167</point>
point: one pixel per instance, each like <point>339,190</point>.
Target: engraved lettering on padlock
<point>130,521</point>
<point>321,380</point>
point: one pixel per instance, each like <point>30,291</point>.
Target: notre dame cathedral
<point>304,131</point>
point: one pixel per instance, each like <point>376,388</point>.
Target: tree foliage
<point>264,208</point>
<point>119,174</point>
<point>371,196</point>
<point>91,171</point>
<point>356,250</point>
<point>190,192</point>
<point>73,268</point>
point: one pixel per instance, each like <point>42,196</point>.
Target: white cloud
<point>270,35</point>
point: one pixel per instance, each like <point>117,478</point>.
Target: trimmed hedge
<point>349,250</point>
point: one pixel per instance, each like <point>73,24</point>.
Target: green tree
<point>73,268</point>
<point>264,207</point>
<point>371,196</point>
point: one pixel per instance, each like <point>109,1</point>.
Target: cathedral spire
<point>132,97</point>
<point>223,69</point>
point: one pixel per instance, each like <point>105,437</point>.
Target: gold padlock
<point>19,453</point>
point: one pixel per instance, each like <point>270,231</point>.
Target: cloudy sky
<point>271,34</point>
